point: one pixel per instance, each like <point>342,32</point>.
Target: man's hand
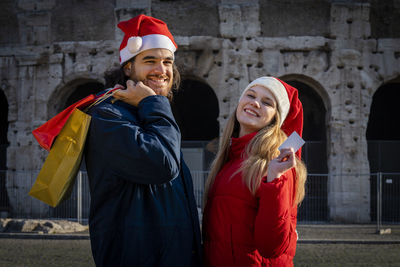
<point>134,93</point>
<point>282,163</point>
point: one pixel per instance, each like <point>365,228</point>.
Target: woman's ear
<point>128,69</point>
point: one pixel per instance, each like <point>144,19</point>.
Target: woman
<point>253,189</point>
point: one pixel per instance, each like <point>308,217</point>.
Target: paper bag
<point>47,132</point>
<point>57,176</point>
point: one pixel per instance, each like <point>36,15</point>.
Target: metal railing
<point>387,198</point>
<point>16,203</point>
<point>314,207</point>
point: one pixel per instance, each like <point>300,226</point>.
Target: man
<point>143,211</point>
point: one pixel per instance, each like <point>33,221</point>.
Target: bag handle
<point>105,96</point>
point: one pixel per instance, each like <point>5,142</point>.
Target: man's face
<point>154,68</point>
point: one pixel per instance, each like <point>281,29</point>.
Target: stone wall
<point>49,47</point>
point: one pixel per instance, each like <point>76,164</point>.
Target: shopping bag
<point>47,132</point>
<point>57,176</point>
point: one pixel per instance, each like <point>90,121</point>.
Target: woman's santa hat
<point>289,105</point>
<point>142,33</point>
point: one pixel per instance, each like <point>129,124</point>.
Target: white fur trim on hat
<point>138,44</point>
<point>277,89</point>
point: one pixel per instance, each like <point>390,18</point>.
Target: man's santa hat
<point>142,33</point>
<point>289,105</point>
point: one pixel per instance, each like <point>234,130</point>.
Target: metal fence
<point>16,203</point>
<point>386,208</point>
<point>314,207</point>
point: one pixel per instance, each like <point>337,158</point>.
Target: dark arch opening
<point>196,110</point>
<point>383,145</point>
<point>314,128</point>
<point>4,201</point>
<point>314,154</point>
<point>383,120</point>
<point>82,91</point>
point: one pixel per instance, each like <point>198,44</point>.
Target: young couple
<point>143,211</point>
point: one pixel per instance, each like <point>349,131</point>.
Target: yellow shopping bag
<point>57,176</point>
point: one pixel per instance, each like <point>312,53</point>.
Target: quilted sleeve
<point>273,225</point>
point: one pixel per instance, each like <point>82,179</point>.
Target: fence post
<point>379,202</point>
<point>79,198</point>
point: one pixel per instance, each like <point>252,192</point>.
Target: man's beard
<point>170,84</point>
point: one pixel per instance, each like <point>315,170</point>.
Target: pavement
<point>348,233</point>
<point>308,234</point>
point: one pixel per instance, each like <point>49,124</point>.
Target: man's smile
<point>157,81</point>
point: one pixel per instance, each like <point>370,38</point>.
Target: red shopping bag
<point>47,132</point>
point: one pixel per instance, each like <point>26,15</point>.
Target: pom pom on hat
<point>134,44</point>
<point>143,33</point>
<point>289,105</point>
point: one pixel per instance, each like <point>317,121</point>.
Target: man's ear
<point>128,68</point>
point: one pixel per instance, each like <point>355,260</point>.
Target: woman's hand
<point>279,165</point>
<point>134,93</point>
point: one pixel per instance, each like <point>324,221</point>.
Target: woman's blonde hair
<point>261,149</point>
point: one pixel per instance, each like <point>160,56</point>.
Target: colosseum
<point>342,55</point>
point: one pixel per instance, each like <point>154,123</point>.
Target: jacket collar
<point>239,144</point>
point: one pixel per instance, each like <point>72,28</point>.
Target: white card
<point>294,141</point>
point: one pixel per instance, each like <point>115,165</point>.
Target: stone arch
<point>383,145</point>
<point>315,108</point>
<point>315,101</point>
<point>73,89</point>
<point>316,86</point>
<point>4,201</point>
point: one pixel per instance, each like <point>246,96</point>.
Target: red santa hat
<point>142,33</point>
<point>289,105</point>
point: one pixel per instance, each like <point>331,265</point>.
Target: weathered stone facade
<point>341,49</point>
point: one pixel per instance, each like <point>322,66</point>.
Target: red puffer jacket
<point>241,229</point>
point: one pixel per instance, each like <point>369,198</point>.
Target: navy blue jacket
<point>143,211</point>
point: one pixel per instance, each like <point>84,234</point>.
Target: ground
<point>319,245</point>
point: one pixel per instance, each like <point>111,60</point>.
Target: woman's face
<point>256,109</point>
